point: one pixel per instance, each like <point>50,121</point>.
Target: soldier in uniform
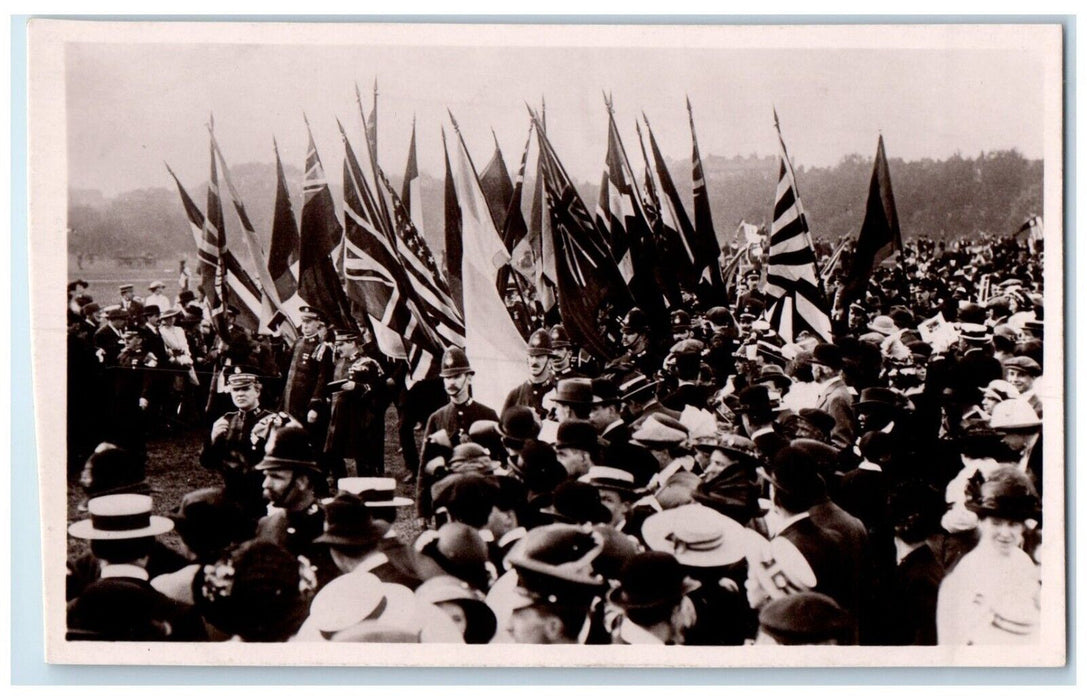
<point>540,381</point>
<point>358,397</point>
<point>309,373</point>
<point>231,450</point>
<point>448,426</point>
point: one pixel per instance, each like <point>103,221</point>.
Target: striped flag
<point>798,301</point>
<point>514,231</point>
<point>375,280</point>
<point>273,316</point>
<point>227,279</point>
<point>427,285</point>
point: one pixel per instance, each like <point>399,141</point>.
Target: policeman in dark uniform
<point>541,380</point>
<point>310,371</point>
<point>292,483</point>
<point>357,396</point>
<point>231,450</point>
<point>563,355</point>
<point>448,426</point>
<point>639,350</point>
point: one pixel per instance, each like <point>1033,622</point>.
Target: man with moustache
<point>541,379</point>
<point>448,426</point>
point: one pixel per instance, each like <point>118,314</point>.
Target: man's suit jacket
<point>836,400</point>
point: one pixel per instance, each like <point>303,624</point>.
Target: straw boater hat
<point>696,535</point>
<point>120,516</point>
<point>374,491</point>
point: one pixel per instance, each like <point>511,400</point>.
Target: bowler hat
<point>577,502</point>
<point>755,400</point>
<point>796,473</point>
<point>113,469</point>
<point>185,296</point>
<point>877,397</point>
<point>116,313</point>
<point>805,618</point>
<point>289,447</point>
<point>151,310</point>
<point>605,392</point>
<point>827,354</point>
<point>455,363</point>
<point>775,375</point>
<point>519,423</point>
<point>90,308</point>
<point>577,434</point>
<point>651,580</point>
<point>540,469</point>
<point>208,522</point>
<point>576,391</point>
<point>348,522</point>
<point>823,421</point>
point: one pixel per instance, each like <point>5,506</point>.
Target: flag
<point>792,282</point>
<point>273,316</point>
<point>679,232</point>
<point>515,230</point>
<point>411,190</point>
<point>226,277</point>
<point>453,246</point>
<point>707,251</point>
<point>283,251</point>
<point>1035,232</point>
<point>427,287</point>
<point>494,346</point>
<point>538,243</point>
<point>880,235</point>
<point>370,124</point>
<point>663,231</point>
<point>318,282</point>
<point>620,214</point>
<point>496,184</point>
<point>375,280</point>
<point>591,291</point>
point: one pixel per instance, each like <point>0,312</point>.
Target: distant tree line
<point>959,196</point>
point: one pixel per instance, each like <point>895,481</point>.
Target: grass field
<point>173,469</point>
<point>174,462</point>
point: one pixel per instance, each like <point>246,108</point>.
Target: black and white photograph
<point>549,345</point>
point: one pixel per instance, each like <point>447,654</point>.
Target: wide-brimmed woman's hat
<point>120,516</point>
<point>481,620</point>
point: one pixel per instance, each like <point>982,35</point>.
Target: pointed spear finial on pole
<point>495,136</point>
<point>456,127</point>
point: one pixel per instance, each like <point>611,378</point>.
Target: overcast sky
<point>132,106</point>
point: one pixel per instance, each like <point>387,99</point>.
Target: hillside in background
<point>993,192</point>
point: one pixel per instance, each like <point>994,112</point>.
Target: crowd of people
<point>718,487</point>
